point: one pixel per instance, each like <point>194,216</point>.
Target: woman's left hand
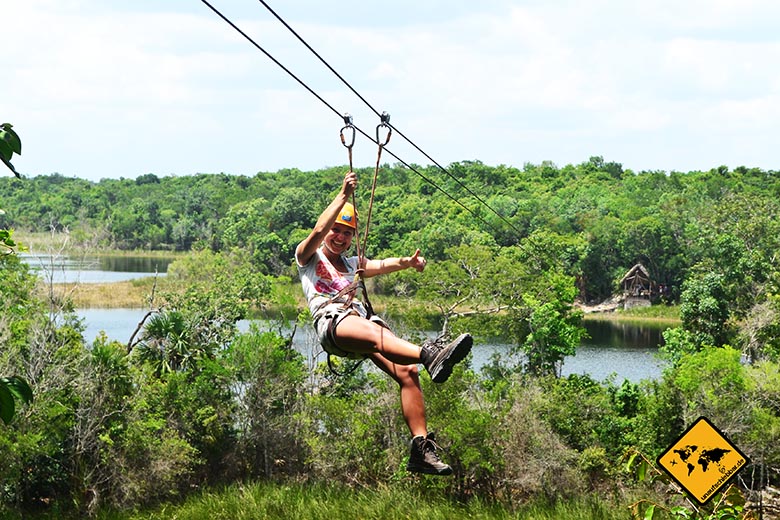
<point>417,261</point>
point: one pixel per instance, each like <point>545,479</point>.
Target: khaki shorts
<point>326,324</point>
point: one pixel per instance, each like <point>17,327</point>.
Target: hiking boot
<point>439,360</point>
<point>423,457</point>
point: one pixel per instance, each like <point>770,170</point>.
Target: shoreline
<point>612,310</point>
<point>135,294</point>
<point>614,316</point>
<point>43,243</point>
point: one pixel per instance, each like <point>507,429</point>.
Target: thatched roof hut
<point>637,282</point>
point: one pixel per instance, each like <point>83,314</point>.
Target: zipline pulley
<point>348,126</point>
<point>348,142</point>
<point>384,124</point>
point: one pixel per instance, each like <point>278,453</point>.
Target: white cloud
<point>107,88</point>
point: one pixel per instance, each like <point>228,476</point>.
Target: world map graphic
<point>706,457</point>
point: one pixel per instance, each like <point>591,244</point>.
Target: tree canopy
<point>668,221</point>
<point>194,401</point>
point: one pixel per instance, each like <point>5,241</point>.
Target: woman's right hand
<point>350,183</point>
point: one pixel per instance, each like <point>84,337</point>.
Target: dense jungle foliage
<point>602,218</point>
<point>195,403</point>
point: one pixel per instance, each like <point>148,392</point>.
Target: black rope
<point>349,86</point>
<point>318,56</point>
<point>347,372</point>
<point>296,78</point>
<point>339,114</point>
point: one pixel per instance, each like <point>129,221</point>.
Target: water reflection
<point>134,264</point>
<point>638,335</point>
<point>619,350</point>
<point>95,269</point>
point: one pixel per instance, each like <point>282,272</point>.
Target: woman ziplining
<point>347,326</point>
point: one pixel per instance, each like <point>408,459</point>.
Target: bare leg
<point>395,356</point>
<point>356,334</point>
<point>412,404</point>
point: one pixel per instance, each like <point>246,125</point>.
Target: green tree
<point>7,242</point>
<point>554,330</point>
<point>704,309</point>
<point>247,227</point>
<point>292,208</point>
<point>10,144</point>
<point>243,221</point>
<point>13,389</point>
<point>759,331</point>
<point>605,260</point>
<point>104,387</point>
<point>714,383</point>
<point>650,240</point>
<point>166,343</point>
<point>272,375</point>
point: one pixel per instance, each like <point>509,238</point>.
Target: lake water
<point>94,269</point>
<point>613,349</point>
<point>616,350</point>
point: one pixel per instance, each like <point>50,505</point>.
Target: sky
<point>108,88</point>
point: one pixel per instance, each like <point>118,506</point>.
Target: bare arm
<point>389,265</point>
<point>309,245</point>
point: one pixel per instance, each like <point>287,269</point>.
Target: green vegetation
<point>596,218</point>
<point>317,502</point>
<point>193,405</point>
<point>669,314</point>
<point>659,312</point>
<point>56,241</point>
<point>10,144</point>
<point>12,389</point>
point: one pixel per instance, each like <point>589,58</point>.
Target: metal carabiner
<point>348,126</point>
<point>385,119</point>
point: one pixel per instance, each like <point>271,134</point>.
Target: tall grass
<point>668,314</point>
<point>130,294</point>
<point>329,502</point>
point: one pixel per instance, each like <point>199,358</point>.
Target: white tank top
<point>321,280</point>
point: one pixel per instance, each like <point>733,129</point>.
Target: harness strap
<point>349,291</point>
<point>348,372</point>
<point>331,333</point>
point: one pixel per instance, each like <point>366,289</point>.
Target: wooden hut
<point>637,287</point>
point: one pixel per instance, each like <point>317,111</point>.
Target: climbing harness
<point>347,134</point>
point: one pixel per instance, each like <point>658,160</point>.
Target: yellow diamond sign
<point>702,460</point>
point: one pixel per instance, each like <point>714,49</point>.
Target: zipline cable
<point>281,20</point>
<point>261,49</point>
<point>349,86</point>
<point>364,134</point>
